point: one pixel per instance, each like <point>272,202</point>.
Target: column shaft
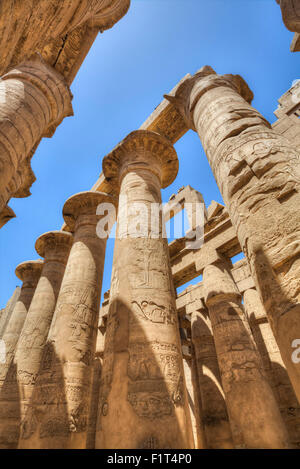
<point>54,247</point>
<point>273,364</point>
<point>250,401</point>
<point>61,396</point>
<point>214,411</point>
<point>143,401</point>
<point>29,273</point>
<point>7,311</point>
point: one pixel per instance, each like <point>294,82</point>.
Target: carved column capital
<point>53,245</point>
<point>192,89</point>
<point>290,14</point>
<point>37,73</point>
<point>142,150</point>
<point>29,272</point>
<point>82,207</point>
<point>35,100</point>
<point>110,13</point>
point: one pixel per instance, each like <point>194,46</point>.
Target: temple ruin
<point>216,366</point>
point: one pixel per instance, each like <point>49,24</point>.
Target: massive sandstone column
<point>214,412</point>
<point>6,312</point>
<point>143,401</point>
<point>34,99</point>
<point>250,401</point>
<point>29,272</point>
<point>273,364</point>
<point>54,246</point>
<point>258,174</point>
<point>62,392</point>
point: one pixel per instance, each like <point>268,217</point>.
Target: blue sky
<point>123,79</point>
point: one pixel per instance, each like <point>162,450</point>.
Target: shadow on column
<point>142,392</point>
<point>10,410</point>
<point>46,416</point>
<point>283,390</point>
<point>283,314</point>
<point>214,411</point>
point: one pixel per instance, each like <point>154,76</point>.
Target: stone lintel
<point>219,238</point>
<point>185,195</point>
<point>167,119</point>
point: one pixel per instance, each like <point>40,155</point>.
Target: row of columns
<point>142,369</point>
<point>258,174</point>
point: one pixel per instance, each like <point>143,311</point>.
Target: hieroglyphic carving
<point>151,442</point>
<point>150,265</point>
<point>155,376</point>
<point>148,310</point>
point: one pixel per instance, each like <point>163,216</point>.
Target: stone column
<point>54,246</point>
<point>194,402</point>
<point>273,364</point>
<point>250,401</point>
<point>143,402</point>
<point>214,411</point>
<point>97,370</point>
<point>29,272</point>
<point>6,312</point>
<point>258,174</point>
<point>34,99</point>
<point>61,396</point>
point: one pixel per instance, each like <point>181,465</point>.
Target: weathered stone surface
<point>143,402</point>
<point>214,412</point>
<point>190,375</point>
<point>30,25</point>
<point>54,246</point>
<point>96,386</point>
<point>273,364</point>
<point>251,404</point>
<point>290,14</point>
<point>258,174</point>
<point>35,99</point>
<point>62,392</point>
<point>29,272</point>
<point>7,311</point>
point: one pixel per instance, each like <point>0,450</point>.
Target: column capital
<point>29,270</point>
<point>84,203</point>
<point>142,149</point>
<point>50,83</point>
<point>110,13</point>
<point>192,89</point>
<point>50,241</point>
<point>290,14</point>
